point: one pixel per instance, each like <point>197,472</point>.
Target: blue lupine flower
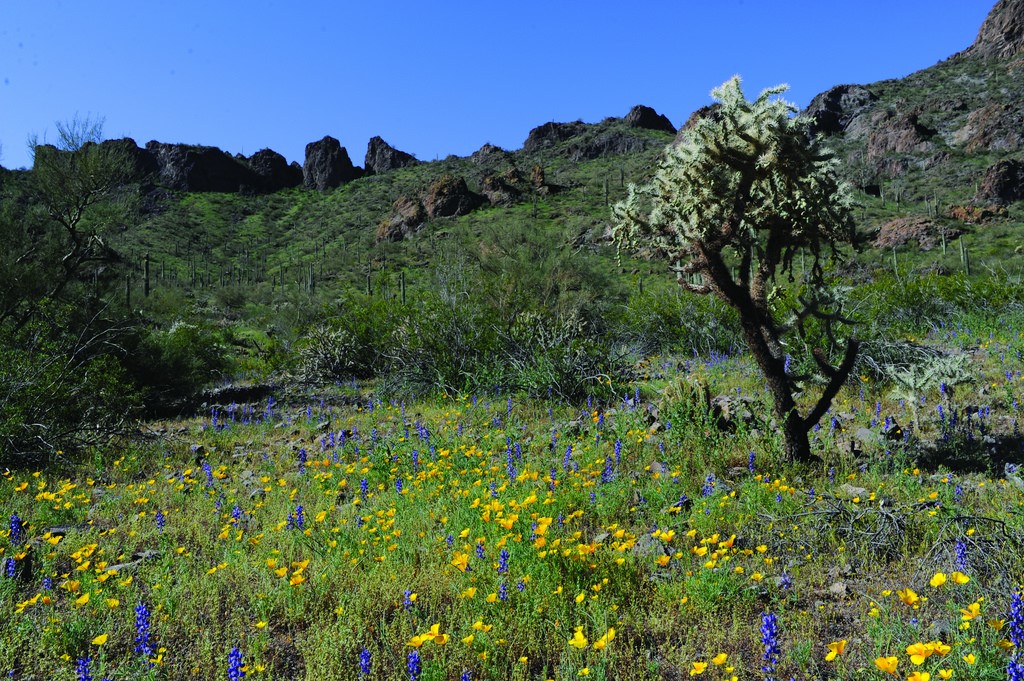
<point>466,675</point>
<point>9,567</point>
<point>407,602</point>
<point>770,640</point>
<point>17,529</point>
<point>82,669</point>
<point>143,645</point>
<point>235,671</point>
<point>364,488</point>
<point>160,520</point>
<point>480,551</point>
<point>709,485</point>
<point>413,666</point>
<point>1015,634</point>
<point>365,662</point>
<point>398,485</point>
<point>503,562</point>
<point>503,591</point>
<point>750,462</point>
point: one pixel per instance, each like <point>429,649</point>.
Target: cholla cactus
<point>737,196</point>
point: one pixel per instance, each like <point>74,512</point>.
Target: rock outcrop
<point>894,132</point>
<point>406,217</point>
<point>607,143</point>
<point>449,196</point>
<point>382,157</point>
<point>272,171</point>
<point>141,163</point>
<point>1002,34</point>
<point>327,165</point>
<point>551,134</point>
<point>925,231</point>
<point>504,189</point>
<point>710,111</point>
<point>1003,183</point>
<point>833,110</point>
<point>189,168</point>
<point>993,127</point>
<point>645,117</point>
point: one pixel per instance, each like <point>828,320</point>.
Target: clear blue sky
<point>432,78</point>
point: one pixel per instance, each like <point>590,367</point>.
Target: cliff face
<point>1002,34</point>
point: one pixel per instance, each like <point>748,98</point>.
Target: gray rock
<point>645,117</point>
<point>190,168</point>
<point>382,157</point>
<point>327,165</point>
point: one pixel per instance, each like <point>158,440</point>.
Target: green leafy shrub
<point>60,391</point>
<point>175,364</point>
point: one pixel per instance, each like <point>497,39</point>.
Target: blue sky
<point>432,78</point>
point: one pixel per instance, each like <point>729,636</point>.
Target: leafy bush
<point>175,364</point>
<point>352,342</point>
<point>60,391</point>
<point>655,322</point>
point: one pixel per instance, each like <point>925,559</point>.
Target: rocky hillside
<point>949,134</point>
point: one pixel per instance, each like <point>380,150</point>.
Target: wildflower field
<point>643,536</point>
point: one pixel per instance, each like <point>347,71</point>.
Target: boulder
<point>406,217</point>
<point>551,134</point>
<point>449,196</point>
<point>382,157</point>
<point>901,231</point>
<point>504,189</point>
<point>272,171</point>
<point>831,111</point>
<point>189,168</point>
<point>327,165</point>
<point>1002,34</point>
<point>645,117</point>
<point>1003,183</point>
<point>897,133</point>
<point>974,215</point>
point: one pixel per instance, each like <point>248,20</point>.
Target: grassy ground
<point>491,537</point>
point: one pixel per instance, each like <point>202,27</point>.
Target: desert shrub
<point>917,304</point>
<point>61,391</point>
<point>446,344</point>
<point>352,340</point>
<point>175,364</point>
<point>656,322</point>
<point>560,355</point>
